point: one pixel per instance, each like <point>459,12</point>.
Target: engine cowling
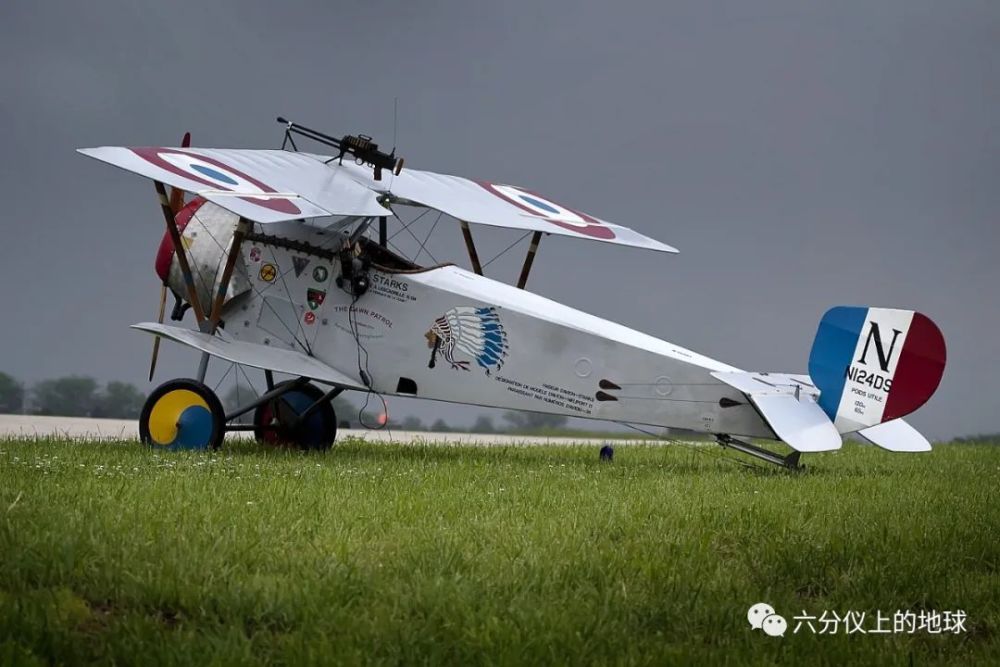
<point>207,234</point>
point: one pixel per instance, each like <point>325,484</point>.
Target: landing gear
<point>300,415</point>
<point>182,414</point>
<point>186,414</point>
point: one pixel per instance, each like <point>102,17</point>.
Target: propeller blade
<point>176,194</point>
<point>156,339</point>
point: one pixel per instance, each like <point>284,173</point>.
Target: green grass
<point>399,554</point>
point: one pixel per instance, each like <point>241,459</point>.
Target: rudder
<point>873,365</point>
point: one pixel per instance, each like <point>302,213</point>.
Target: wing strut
<point>175,238</point>
<point>242,228</point>
<point>210,323</point>
<point>536,238</point>
<point>471,247</point>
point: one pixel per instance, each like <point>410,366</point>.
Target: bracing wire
<point>260,292</point>
<point>222,379</point>
<point>288,293</point>
<point>428,237</point>
<point>405,225</point>
<point>497,256</point>
<point>406,228</point>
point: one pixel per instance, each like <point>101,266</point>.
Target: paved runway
<point>31,426</point>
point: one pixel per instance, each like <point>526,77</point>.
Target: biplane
<point>283,258</point>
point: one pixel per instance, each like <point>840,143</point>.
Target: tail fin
<point>873,365</point>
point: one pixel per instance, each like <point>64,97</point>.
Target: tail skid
<point>790,461</point>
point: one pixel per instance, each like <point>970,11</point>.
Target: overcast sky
<point>799,156</point>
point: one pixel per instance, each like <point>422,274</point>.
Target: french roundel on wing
<point>550,211</point>
<point>223,177</point>
<point>216,175</point>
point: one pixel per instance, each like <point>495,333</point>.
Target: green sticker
<point>315,298</point>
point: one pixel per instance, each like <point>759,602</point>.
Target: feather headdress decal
<point>473,332</point>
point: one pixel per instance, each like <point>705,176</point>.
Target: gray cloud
<point>800,157</point>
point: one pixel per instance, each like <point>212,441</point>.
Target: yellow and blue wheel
<point>182,414</point>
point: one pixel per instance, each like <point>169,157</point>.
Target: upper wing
<point>499,205</point>
<point>260,185</point>
<point>277,185</point>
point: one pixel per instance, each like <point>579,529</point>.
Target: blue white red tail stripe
<point>875,364</point>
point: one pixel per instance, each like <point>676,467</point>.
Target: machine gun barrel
<point>360,146</point>
<point>309,133</point>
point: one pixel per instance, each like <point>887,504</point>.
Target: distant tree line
<point>81,396</point>
<point>350,416</point>
<point>72,396</point>
<point>523,423</point>
<point>979,439</point>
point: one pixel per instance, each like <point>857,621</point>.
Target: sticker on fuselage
<point>315,298</point>
<point>299,264</point>
<point>268,273</point>
<point>468,331</point>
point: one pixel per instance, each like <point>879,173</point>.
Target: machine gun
<point>361,146</point>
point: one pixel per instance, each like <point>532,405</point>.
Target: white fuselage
<point>447,334</point>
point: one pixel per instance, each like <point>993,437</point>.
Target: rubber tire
<point>218,414</point>
<point>323,420</point>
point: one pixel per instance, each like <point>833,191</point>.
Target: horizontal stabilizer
<point>260,185</point>
<point>252,354</point>
<point>896,436</point>
<point>787,403</point>
<point>802,424</point>
<point>757,383</point>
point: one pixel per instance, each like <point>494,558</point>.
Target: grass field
<point>398,554</point>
